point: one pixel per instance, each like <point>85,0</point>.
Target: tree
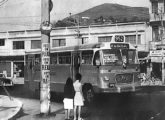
<point>135,19</point>
<point>60,23</point>
<point>111,18</point>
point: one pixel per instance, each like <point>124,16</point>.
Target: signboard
<point>119,46</point>
<point>119,38</point>
<point>45,66</point>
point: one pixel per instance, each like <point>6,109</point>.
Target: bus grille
<point>124,78</point>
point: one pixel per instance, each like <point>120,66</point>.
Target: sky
<point>26,14</point>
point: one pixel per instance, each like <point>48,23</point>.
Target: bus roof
<point>103,45</point>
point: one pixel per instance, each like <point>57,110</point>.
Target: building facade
<point>14,44</point>
<point>157,22</point>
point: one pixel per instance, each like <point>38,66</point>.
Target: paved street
<point>144,105</point>
<point>139,106</point>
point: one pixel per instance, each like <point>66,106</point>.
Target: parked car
<point>5,81</point>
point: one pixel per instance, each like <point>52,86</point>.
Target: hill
<point>110,13</point>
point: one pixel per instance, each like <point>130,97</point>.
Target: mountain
<point>111,13</point>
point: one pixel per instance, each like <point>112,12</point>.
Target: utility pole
<point>46,6</point>
<point>162,42</point>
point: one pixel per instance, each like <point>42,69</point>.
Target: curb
<point>13,108</point>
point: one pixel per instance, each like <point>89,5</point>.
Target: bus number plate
<point>124,78</point>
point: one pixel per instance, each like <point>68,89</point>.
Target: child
<point>78,98</point>
<point>68,97</point>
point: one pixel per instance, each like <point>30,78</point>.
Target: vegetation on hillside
<point>106,13</point>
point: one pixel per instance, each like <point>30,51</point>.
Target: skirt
<point>68,103</point>
<point>78,99</point>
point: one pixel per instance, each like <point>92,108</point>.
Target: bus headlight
<point>106,78</point>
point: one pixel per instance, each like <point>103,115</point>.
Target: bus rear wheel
<point>88,93</point>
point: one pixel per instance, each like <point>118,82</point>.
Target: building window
<point>156,36</point>
<point>58,42</point>
<point>105,39</point>
<point>2,42</point>
<point>35,44</point>
<point>132,39</point>
<point>18,44</point>
<point>85,40</point>
<point>155,7</point>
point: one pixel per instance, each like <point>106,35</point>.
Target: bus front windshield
<point>118,56</point>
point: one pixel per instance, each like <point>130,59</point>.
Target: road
<point>127,106</point>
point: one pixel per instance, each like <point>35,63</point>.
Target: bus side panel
<point>90,75</point>
<point>58,76</point>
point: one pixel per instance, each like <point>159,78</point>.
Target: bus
<point>107,67</point>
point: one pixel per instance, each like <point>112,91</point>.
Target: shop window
<point>2,42</point>
<point>35,44</point>
<point>18,45</point>
<point>58,42</point>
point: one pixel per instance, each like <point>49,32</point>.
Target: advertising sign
<point>45,63</point>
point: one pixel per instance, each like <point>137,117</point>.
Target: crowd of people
<point>73,97</point>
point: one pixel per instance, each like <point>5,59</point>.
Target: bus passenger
<point>68,97</point>
<point>78,98</point>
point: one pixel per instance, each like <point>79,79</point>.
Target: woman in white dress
<point>78,98</point>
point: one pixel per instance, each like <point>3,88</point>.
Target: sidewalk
<point>9,107</point>
<point>31,110</point>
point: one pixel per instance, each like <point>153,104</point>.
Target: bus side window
<point>37,59</point>
<point>53,58</point>
<point>96,60</point>
<point>64,58</point>
<point>87,57</point>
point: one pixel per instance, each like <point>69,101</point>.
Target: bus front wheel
<point>88,93</point>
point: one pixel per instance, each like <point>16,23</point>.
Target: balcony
<point>157,17</point>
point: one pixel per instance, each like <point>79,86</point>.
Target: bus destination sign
<point>119,46</point>
<point>119,38</point>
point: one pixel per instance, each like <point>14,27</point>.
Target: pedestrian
<point>78,98</point>
<point>68,97</point>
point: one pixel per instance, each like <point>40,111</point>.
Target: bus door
<point>29,68</point>
<point>75,63</point>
